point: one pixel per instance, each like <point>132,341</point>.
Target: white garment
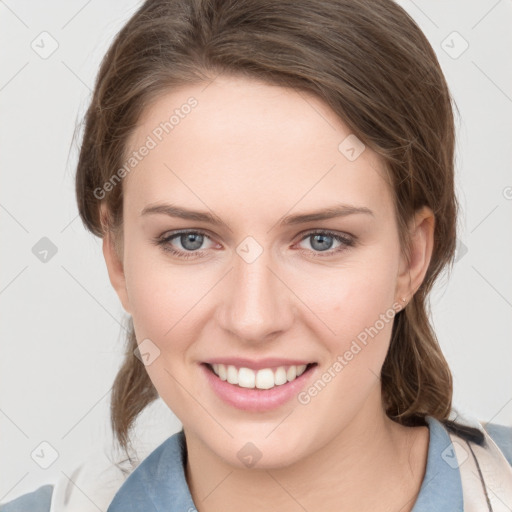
<point>486,475</point>
<point>93,484</point>
<point>91,487</point>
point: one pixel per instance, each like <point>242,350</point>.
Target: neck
<point>372,464</point>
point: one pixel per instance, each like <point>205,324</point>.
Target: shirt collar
<point>441,488</point>
<point>158,483</point>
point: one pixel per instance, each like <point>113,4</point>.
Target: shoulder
<point>36,501</point>
<point>95,481</point>
<point>482,434</point>
<point>485,465</point>
<point>485,434</point>
<point>104,481</point>
<point>489,439</point>
<point>159,475</point>
<point>502,436</point>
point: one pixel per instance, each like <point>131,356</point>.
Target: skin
<point>252,153</point>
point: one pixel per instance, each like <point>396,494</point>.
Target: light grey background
<point>61,340</point>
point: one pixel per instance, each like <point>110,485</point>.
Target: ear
<point>412,271</point>
<point>114,262</point>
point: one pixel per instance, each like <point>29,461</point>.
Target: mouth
<point>260,379</point>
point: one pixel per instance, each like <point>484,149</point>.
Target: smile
<point>264,378</point>
<point>257,385</point>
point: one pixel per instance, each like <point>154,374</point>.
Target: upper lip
<point>259,364</point>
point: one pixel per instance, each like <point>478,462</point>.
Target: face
<point>256,246</point>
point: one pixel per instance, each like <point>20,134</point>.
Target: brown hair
<point>370,63</point>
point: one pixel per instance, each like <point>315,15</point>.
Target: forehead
<point>246,142</point>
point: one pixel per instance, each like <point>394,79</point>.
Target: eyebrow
<point>340,210</point>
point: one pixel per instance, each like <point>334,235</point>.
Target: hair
<point>370,63</point>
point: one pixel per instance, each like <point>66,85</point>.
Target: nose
<point>257,306</point>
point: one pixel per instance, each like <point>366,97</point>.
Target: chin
<point>261,450</point>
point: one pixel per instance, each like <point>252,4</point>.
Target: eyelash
<point>346,242</point>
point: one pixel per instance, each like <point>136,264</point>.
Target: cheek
<point>353,297</point>
<point>361,314</point>
<point>165,303</point>
<point>161,300</point>
<point>155,295</point>
<point>357,303</point>
<point>169,304</point>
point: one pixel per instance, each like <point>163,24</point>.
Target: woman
<point>273,183</point>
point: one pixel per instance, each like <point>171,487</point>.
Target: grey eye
<point>321,242</point>
<point>191,241</point>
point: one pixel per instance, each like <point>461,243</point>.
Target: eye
<point>184,244</point>
<point>190,244</point>
<point>324,241</point>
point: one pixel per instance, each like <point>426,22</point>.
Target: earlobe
<point>413,270</point>
<point>115,269</point>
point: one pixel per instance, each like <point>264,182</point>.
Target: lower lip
<point>256,400</point>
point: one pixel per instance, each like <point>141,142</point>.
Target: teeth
<point>232,375</point>
<point>280,376</point>
<point>265,378</point>
<point>291,373</point>
<point>222,372</point>
<point>246,377</point>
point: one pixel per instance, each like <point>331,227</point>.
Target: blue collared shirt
<point>158,483</point>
